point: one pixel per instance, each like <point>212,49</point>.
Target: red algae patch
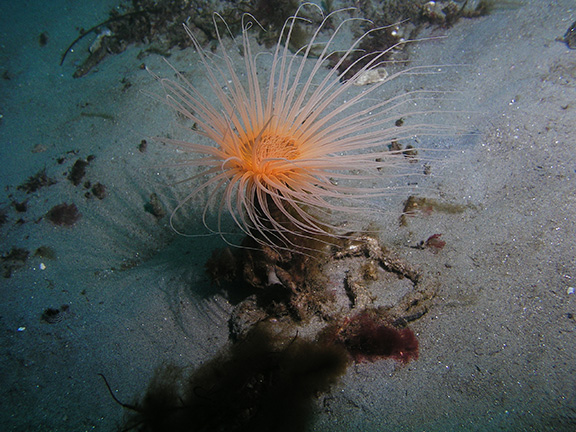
<point>368,336</point>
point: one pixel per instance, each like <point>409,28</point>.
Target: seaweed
<point>20,207</point>
<point>36,182</point>
<point>13,260</point>
<point>3,216</point>
<point>63,214</point>
<point>43,39</point>
<point>370,336</point>
<point>78,171</point>
<point>268,381</point>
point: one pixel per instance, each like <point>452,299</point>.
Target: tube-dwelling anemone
<point>284,152</point>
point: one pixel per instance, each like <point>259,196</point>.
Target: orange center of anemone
<point>266,153</point>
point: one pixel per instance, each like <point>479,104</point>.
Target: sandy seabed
<point>497,348</point>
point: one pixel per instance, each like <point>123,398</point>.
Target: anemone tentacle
<point>278,152</point>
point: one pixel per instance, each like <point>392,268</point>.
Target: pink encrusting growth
<point>283,154</point>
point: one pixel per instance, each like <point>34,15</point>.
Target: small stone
<point>372,76</point>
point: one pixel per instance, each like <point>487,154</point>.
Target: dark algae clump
<point>267,382</point>
<point>63,214</point>
<point>36,182</point>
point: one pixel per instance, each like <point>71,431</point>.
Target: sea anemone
<point>286,153</point>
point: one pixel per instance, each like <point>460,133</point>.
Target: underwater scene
<point>264,215</point>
